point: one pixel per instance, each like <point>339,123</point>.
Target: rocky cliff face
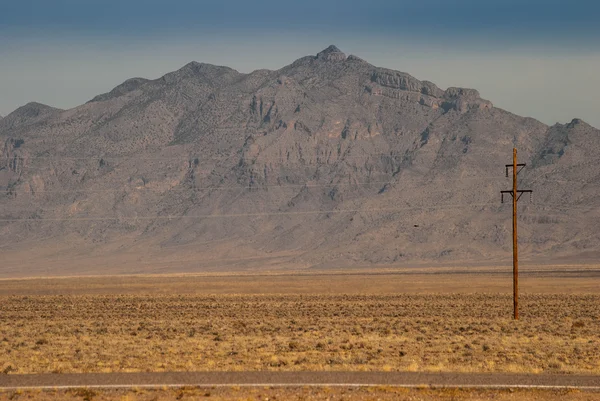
<point>327,161</point>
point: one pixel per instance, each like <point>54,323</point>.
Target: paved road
<point>291,379</point>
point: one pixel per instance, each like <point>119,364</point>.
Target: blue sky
<point>498,20</point>
<point>532,57</point>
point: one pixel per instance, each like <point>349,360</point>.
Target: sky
<point>537,58</point>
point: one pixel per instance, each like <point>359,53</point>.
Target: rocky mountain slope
<point>329,161</point>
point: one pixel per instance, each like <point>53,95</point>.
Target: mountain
<point>329,161</point>
<point>26,115</point>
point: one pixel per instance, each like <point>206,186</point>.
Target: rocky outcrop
<point>405,82</point>
<point>559,141</point>
<point>356,59</point>
<point>578,123</point>
<point>460,99</point>
<point>463,100</point>
<point>332,53</point>
<point>12,158</point>
<point>554,147</point>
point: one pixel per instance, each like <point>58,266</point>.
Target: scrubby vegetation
<point>468,332</point>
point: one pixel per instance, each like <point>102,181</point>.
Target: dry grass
<point>305,394</point>
<point>444,332</point>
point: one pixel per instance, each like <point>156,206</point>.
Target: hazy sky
<point>538,58</point>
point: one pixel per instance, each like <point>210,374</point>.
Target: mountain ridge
<point>328,160</point>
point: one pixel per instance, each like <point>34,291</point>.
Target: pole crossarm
<point>521,165</point>
<point>519,192</point>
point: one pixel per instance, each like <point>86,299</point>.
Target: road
<point>300,379</point>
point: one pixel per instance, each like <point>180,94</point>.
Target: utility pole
<point>516,195</point>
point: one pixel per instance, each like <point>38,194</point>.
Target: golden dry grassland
<point>404,332</point>
<point>414,320</point>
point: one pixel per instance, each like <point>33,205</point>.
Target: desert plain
<point>418,319</point>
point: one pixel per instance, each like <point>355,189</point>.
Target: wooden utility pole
<point>515,242</point>
<point>516,195</point>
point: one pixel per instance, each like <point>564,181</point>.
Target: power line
<point>559,207</point>
<point>570,207</point>
<point>251,187</point>
<point>250,202</point>
<point>536,180</point>
<point>346,153</point>
<point>245,187</point>
<point>191,158</point>
<point>201,158</point>
<point>259,214</point>
<point>532,179</point>
<point>272,203</point>
<point>301,185</point>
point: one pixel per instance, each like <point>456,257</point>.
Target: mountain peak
<point>33,109</point>
<point>198,68</point>
<point>31,112</point>
<point>331,49</point>
<point>577,122</point>
<point>332,53</point>
<point>36,105</point>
